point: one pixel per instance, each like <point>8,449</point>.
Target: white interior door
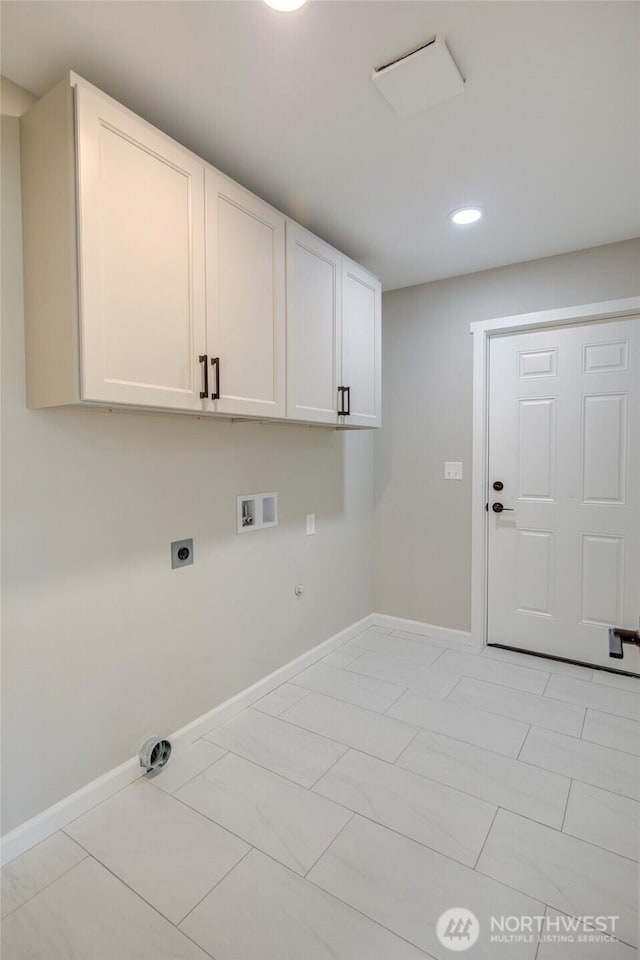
<point>141,243</point>
<point>564,437</point>
<point>245,300</point>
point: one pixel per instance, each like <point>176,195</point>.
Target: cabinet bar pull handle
<point>204,393</point>
<point>341,401</point>
<point>215,363</point>
<point>347,412</point>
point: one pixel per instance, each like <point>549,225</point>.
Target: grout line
<point>137,894</point>
<point>399,697</point>
<point>566,806</point>
<point>51,882</point>
<point>458,681</point>
<point>395,763</point>
<point>584,720</point>
<point>484,843</point>
<point>345,903</point>
<point>334,696</point>
<point>343,827</point>
<point>328,770</point>
<point>283,776</point>
<point>524,740</point>
<point>189,912</point>
<point>204,770</point>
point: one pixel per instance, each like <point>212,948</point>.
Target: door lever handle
<point>618,636</point>
<point>498,508</point>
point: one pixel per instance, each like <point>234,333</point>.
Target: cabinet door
<point>314,285</point>
<point>245,300</point>
<point>141,258</point>
<point>361,332</point>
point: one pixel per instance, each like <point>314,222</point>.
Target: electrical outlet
<point>311,524</point>
<point>181,553</point>
<point>453,470</point>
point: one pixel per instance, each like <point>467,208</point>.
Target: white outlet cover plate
<point>311,524</point>
<point>453,470</point>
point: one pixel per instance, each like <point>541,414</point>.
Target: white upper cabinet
<point>245,301</point>
<point>361,346</point>
<point>314,318</point>
<point>152,280</point>
<point>141,247</point>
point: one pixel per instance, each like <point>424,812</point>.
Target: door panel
<point>361,332</point>
<point>604,448</point>
<point>245,299</point>
<point>537,449</point>
<point>564,437</point>
<point>314,327</point>
<point>141,242</point>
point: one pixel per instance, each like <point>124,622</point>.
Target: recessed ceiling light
<point>285,6</point>
<point>466,215</point>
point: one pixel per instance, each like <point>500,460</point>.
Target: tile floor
<point>340,815</point>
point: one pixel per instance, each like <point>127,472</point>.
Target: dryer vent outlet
<point>154,754</point>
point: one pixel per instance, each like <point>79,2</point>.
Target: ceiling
<point>545,135</point>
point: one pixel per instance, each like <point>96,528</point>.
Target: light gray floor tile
<point>450,643</point>
<point>604,818</point>
<point>610,731</point>
<point>404,673</point>
<point>355,688</point>
<point>568,874</point>
<point>169,854</point>
<point>391,645</point>
<point>609,769</point>
<point>279,699</point>
<point>537,663</point>
<point>617,680</point>
<point>517,786</point>
<point>89,915</point>
<point>493,671</point>
<point>270,742</point>
<point>37,868</point>
<point>185,764</point>
<point>262,911</point>
<point>518,705</point>
<point>586,943</point>
<point>282,819</point>
<point>598,696</point>
<point>406,887</point>
<point>370,732</point>
<point>431,813</point>
<point>461,722</point>
<point>342,657</point>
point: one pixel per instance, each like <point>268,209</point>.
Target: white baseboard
<point>444,634</point>
<point>54,818</point>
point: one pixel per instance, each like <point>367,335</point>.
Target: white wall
<point>422,564</point>
<point>102,643</point>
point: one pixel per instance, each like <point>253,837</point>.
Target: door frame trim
<point>482,331</point>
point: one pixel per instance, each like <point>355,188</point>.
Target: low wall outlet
<point>311,524</point>
<point>299,590</point>
<point>453,470</point>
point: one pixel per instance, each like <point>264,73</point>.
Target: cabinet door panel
<point>361,331</point>
<point>314,284</point>
<point>245,299</point>
<point>141,219</point>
